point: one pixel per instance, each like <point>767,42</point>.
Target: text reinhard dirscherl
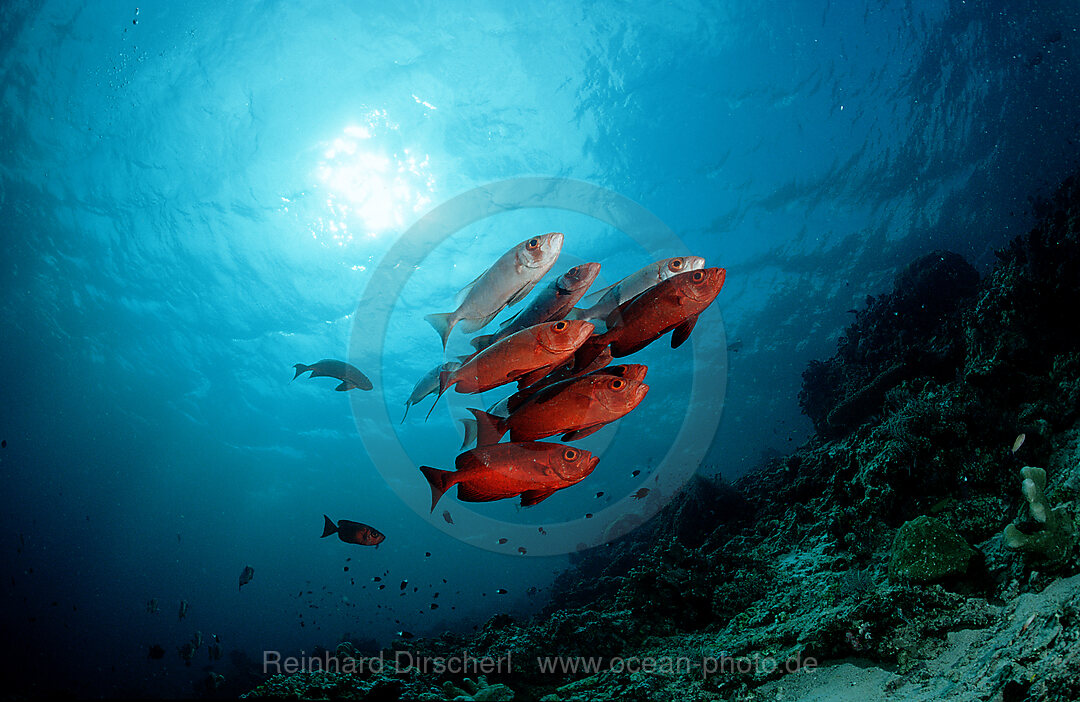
<point>465,664</point>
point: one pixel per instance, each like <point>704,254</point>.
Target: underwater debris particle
<point>1018,442</point>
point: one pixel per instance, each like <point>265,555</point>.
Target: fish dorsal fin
<point>594,296</point>
<point>534,497</point>
<point>464,292</point>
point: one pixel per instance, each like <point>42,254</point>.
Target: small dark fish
<point>588,515</point>
<point>183,608</point>
<point>503,540</point>
<point>382,587</point>
<point>447,517</point>
<point>635,474</point>
<point>500,591</point>
<point>156,652</point>
<point>405,634</point>
<point>404,584</point>
<point>3,443</point>
<point>541,530</point>
<point>434,606</point>
<point>353,532</point>
<point>349,375</point>
<point>521,550</point>
<point>346,569</point>
<point>641,493</point>
<point>375,579</point>
<point>246,575</point>
<point>427,554</point>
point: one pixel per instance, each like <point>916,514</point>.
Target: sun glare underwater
<point>695,333</point>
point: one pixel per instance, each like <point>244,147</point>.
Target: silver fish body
<point>551,304</point>
<point>505,283</point>
<point>428,385</point>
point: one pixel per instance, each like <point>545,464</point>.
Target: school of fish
<point>557,356</point>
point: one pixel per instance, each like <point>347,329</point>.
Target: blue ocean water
<point>196,196</point>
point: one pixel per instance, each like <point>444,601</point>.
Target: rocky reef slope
<point>871,563</point>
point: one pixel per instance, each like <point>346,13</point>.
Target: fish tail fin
<point>443,323</point>
<point>300,368</point>
<point>470,431</point>
<point>489,428</point>
<point>444,385</point>
<point>440,481</point>
<point>328,527</point>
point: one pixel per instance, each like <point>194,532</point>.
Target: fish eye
<point>570,454</point>
<point>617,384</point>
<point>560,326</point>
<point>572,271</point>
<point>533,244</point>
<point>676,264</point>
<point>699,276</point>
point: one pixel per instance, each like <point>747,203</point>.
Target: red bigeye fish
<point>349,375</point>
<point>532,469</point>
<point>574,408</point>
<point>634,284</point>
<point>503,408</point>
<point>673,305</point>
<point>353,532</point>
<point>530,353</point>
<point>549,305</point>
<point>506,283</point>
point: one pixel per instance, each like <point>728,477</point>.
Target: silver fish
<point>428,385</point>
<point>507,282</point>
<point>549,305</point>
<point>606,300</point>
<point>349,375</point>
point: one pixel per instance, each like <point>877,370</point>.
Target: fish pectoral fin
<point>582,433</point>
<point>345,385</point>
<point>682,332</point>
<point>534,497</point>
<point>530,377</point>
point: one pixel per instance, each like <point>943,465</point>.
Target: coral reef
<point>880,555</point>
